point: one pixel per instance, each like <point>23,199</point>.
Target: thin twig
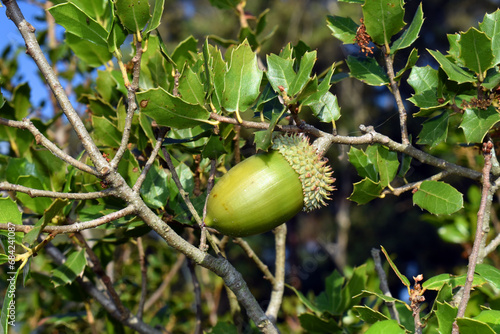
<point>279,281</point>
<point>131,105</point>
<point>410,186</point>
<point>251,255</point>
<point>6,186</point>
<point>384,286</point>
<point>76,227</point>
<point>144,277</point>
<point>197,294</point>
<point>482,218</point>
<point>40,139</point>
<point>397,95</point>
<point>370,136</point>
<point>166,281</point>
<point>187,200</point>
<point>97,267</point>
<point>492,245</point>
<point>159,140</point>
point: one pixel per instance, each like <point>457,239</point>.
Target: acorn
<point>267,189</point>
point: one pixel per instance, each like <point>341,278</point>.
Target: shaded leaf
<point>367,70</point>
<point>69,270</point>
<point>315,324</point>
<point>368,315</point>
<point>365,191</point>
<point>434,130</point>
<point>446,315</point>
<point>401,277</point>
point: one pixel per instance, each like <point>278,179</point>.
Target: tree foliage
<point>101,219</point>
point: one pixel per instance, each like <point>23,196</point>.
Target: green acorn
<point>268,189</point>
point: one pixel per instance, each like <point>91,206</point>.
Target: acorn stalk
<point>267,189</point>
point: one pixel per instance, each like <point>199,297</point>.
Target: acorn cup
<point>267,189</point>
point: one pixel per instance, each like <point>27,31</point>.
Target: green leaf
<point>69,270</point>
<point>424,80</point>
<point>156,17</point>
<point>134,14</point>
<point>224,328</point>
<point>490,273</point>
<point>458,232</point>
<point>491,27</point>
<point>438,281</point>
<point>185,51</point>
<point>385,327</point>
<point>326,108</point>
<point>410,63</point>
<point>475,50</point>
<point>280,72</point>
<point>365,191</point>
<point>93,54</point>
<point>434,130</point>
<point>52,211</point>
<point>303,74</point>
<point>364,166</point>
<point>343,28</point>
<point>454,72</point>
<point>314,324</point>
<point>385,298</point>
<point>446,315</point>
<point>472,326</point>
<point>383,19</point>
<point>492,79</point>
<point>242,81</point>
<point>9,213</point>
<point>190,87</point>
<point>214,148</point>
<point>401,277</point>
<point>438,198</point>
<point>491,318</point>
<point>477,122</point>
<point>169,110</point>
<point>330,300</point>
<point>21,100</point>
<point>368,315</point>
<point>387,164</point>
<point>305,301</point>
<point>367,70</point>
<point>79,24</point>
<point>411,34</point>
<point>155,68</point>
<point>154,190</point>
<point>105,132</point>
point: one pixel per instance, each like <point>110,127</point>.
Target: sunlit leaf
<point>438,198</point>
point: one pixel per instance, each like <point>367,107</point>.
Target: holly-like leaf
<point>446,315</point>
<point>438,281</point>
<point>383,19</point>
<point>364,166</point>
<point>134,14</point>
<point>365,191</point>
<point>303,74</point>
<point>169,110</point>
<point>411,34</point>
<point>343,28</point>
<point>317,324</point>
<point>491,26</point>
<point>434,130</point>
<point>477,122</point>
<point>438,198</point>
<point>190,87</point>
<point>387,163</point>
<point>242,81</point>
<point>367,70</point>
<point>401,277</point>
<point>475,50</point>
<point>69,270</point>
<point>424,81</point>
<point>453,71</point>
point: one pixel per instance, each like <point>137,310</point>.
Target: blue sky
<point>11,36</point>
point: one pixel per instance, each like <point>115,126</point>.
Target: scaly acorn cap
<point>314,173</point>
